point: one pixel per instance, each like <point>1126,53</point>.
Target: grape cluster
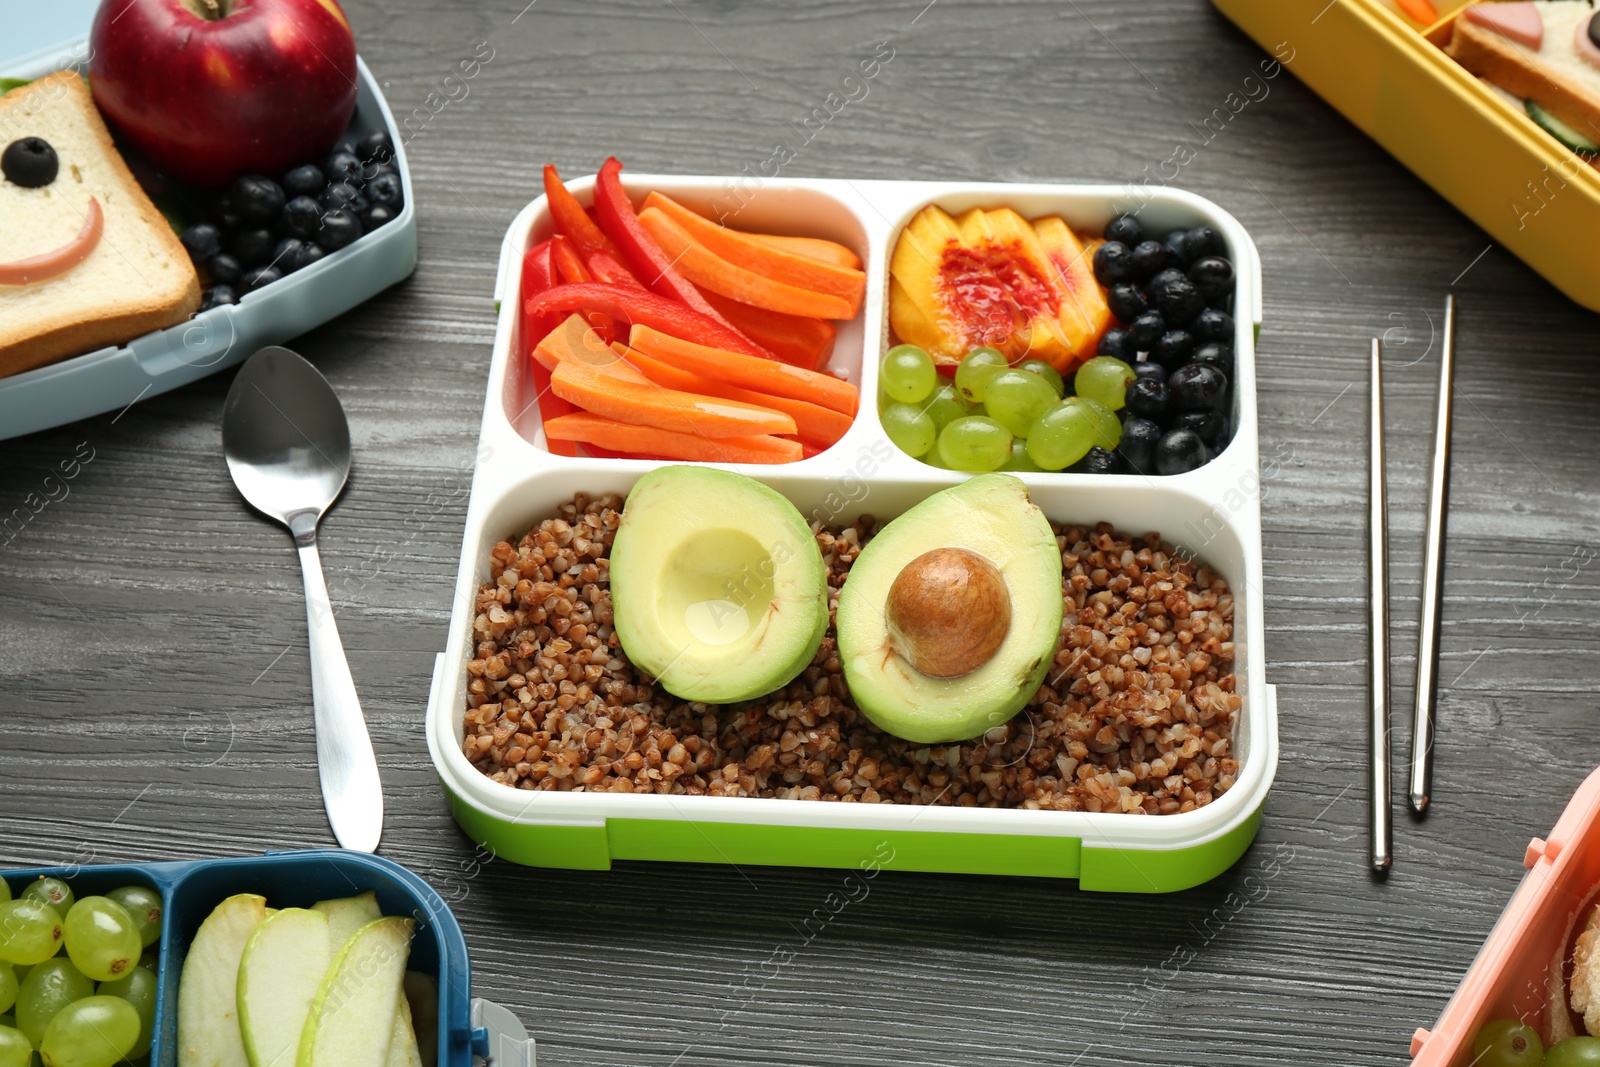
<point>260,229</point>
<point>1173,300</point>
<point>77,976</point>
<point>1513,1043</point>
<point>998,417</point>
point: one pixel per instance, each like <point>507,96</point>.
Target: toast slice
<point>138,277</point>
<point>1554,77</point>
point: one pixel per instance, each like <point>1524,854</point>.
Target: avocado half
<point>991,517</point>
<point>718,589</point>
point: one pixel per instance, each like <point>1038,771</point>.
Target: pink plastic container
<point>1513,974</point>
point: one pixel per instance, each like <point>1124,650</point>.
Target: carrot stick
<point>797,339</point>
<point>762,375</point>
<point>611,395</point>
<point>815,247</point>
<point>762,258</point>
<point>710,271</point>
<point>575,341</point>
<point>814,423</point>
<point>628,437</point>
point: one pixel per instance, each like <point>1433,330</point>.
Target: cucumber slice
<point>1560,130</point>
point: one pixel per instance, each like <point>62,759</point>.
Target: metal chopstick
<point>1378,603</point>
<point>1433,579</point>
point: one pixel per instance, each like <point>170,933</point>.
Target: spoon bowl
<point>287,444</point>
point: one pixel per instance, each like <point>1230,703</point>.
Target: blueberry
<point>29,162</point>
<point>345,195</point>
<point>1113,263</point>
<point>1177,298</point>
<point>376,147</point>
<point>1124,228</point>
<point>1148,398</point>
<point>1177,245</point>
<point>1213,325</point>
<point>1213,276</point>
<point>1179,451</point>
<point>223,269</point>
<point>310,252</point>
<point>1204,241</point>
<point>1149,258</point>
<point>216,296</point>
<point>339,228</point>
<point>1215,353</point>
<point>302,218</point>
<point>304,180</point>
<point>1097,461</point>
<point>375,216</point>
<point>342,165</point>
<point>286,255</point>
<point>385,189</point>
<point>1138,445</point>
<point>1173,348</point>
<point>260,276</point>
<point>1163,278</point>
<point>1197,387</point>
<point>256,198</point>
<point>1117,344</point>
<point>252,247</point>
<point>1146,330</point>
<point>1146,368</point>
<point>202,240</point>
<point>1127,301</point>
<point>1208,424</point>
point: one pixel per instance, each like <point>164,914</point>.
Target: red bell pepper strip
<point>569,266</point>
<point>639,308</point>
<point>650,264</point>
<point>607,268</point>
<point>570,218</point>
<point>539,276</point>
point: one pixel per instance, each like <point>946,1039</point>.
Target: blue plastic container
<point>191,888</point>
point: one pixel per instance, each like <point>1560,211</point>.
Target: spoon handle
<point>351,789</point>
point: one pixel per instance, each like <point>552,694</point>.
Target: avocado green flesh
<point>718,589</point>
<point>992,516</point>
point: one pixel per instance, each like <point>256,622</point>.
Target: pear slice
<point>403,1051</point>
<point>347,915</point>
<point>282,968</point>
<point>352,1020</point>
<point>208,1021</point>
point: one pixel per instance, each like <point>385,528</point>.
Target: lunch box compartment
<point>110,379</point>
<point>1509,977</point>
<point>1213,512</point>
<point>191,889</point>
<point>1476,149</point>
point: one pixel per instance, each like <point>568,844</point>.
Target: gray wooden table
<point>154,687</point>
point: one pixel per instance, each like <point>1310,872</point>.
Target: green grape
<point>1045,371</point>
<point>51,891</point>
<point>973,375</point>
<point>144,904</point>
<point>1571,1052</point>
<point>944,405</point>
<point>93,1032</point>
<point>15,1049</point>
<point>908,374</point>
<point>138,988</point>
<point>102,940</point>
<point>1507,1043</point>
<point>30,931</point>
<point>1019,461</point>
<point>1067,431</point>
<point>1016,399</point>
<point>910,429</point>
<point>49,987</point>
<point>5,891</point>
<point>9,982</point>
<point>974,443</point>
<point>1104,380</point>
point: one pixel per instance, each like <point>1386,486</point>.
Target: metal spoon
<point>288,449</point>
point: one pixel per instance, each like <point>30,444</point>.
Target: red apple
<point>210,89</point>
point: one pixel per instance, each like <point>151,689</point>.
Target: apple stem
<point>212,10</point>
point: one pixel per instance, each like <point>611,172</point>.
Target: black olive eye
<point>29,162</point>
<point>1594,29</point>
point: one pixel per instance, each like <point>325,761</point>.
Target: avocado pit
<point>948,612</point>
